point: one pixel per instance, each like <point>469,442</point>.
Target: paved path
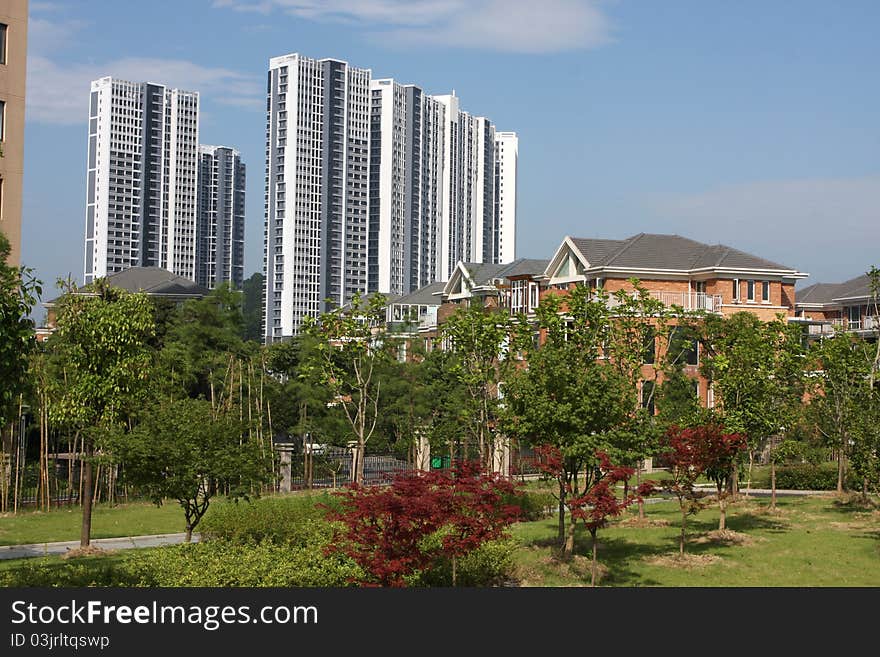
<point>121,543</point>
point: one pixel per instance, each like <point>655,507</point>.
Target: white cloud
<point>828,227</point>
<point>45,36</point>
<point>57,90</point>
<point>507,25</point>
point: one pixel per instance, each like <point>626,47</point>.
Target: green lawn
<point>812,541</point>
<point>63,524</point>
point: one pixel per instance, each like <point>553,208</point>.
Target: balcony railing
<point>690,300</point>
<point>867,323</point>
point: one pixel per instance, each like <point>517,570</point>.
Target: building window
<point>750,291</point>
<point>3,29</point>
<point>765,291</point>
<point>2,120</point>
<point>736,289</point>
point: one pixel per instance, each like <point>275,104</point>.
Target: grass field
<point>63,524</point>
<point>815,541</point>
<point>812,541</point>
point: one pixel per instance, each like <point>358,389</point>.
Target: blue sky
<point>749,123</point>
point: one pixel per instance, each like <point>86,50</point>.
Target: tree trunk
<point>189,533</point>
<point>722,519</point>
<point>840,471</point>
<point>772,486</point>
<point>454,571</point>
<point>593,574</point>
<point>569,541</point>
<point>561,514</point>
<point>86,533</point>
<point>641,500</point>
<point>681,537</point>
<point>734,487</point>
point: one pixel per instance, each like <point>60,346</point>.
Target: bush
<point>226,564</point>
<point>813,477</point>
<point>44,572</point>
<point>533,505</point>
<point>489,565</point>
<point>292,520</point>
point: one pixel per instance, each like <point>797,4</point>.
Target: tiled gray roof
<point>823,293</point>
<point>597,251</point>
<point>524,266</point>
<point>654,251</point>
<point>860,286</point>
<point>154,280</point>
<point>424,295</point>
<point>818,293</point>
<point>484,273</point>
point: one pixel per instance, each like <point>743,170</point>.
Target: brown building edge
<point>13,73</point>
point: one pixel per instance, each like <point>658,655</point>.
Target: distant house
<point>679,271</point>
<point>152,281</point>
<point>825,307</point>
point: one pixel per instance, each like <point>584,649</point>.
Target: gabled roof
<point>484,274</point>
<point>830,293</point>
<point>668,252</point>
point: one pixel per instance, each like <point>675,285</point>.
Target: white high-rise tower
<point>317,174</point>
<point>406,165</point>
<point>141,178</point>
<point>372,186</point>
<point>506,155</point>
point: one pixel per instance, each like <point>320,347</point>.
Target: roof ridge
<point>628,242</point>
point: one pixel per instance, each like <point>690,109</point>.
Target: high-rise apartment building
<point>220,222</point>
<point>468,213</point>
<point>317,175</point>
<point>141,178</point>
<point>406,164</point>
<point>371,186</point>
<point>506,154</point>
<point>13,69</point>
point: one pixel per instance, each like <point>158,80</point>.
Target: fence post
<point>501,455</point>
<point>285,450</point>
<point>423,452</point>
<point>355,460</point>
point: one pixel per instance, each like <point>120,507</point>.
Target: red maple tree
<point>692,452</point>
<point>600,502</point>
<point>384,529</point>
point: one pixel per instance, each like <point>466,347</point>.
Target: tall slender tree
<point>101,347</point>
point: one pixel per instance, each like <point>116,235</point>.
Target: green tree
<point>349,343</point>
<point>19,293</point>
<point>757,371</point>
<point>842,399</point>
<point>483,341</point>
<point>568,397</point>
<point>104,363</point>
<point>201,337</point>
<point>184,450</point>
<point>252,307</point>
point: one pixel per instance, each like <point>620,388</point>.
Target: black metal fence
<point>22,488</point>
<point>331,467</point>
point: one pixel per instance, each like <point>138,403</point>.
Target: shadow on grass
<point>853,503</point>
